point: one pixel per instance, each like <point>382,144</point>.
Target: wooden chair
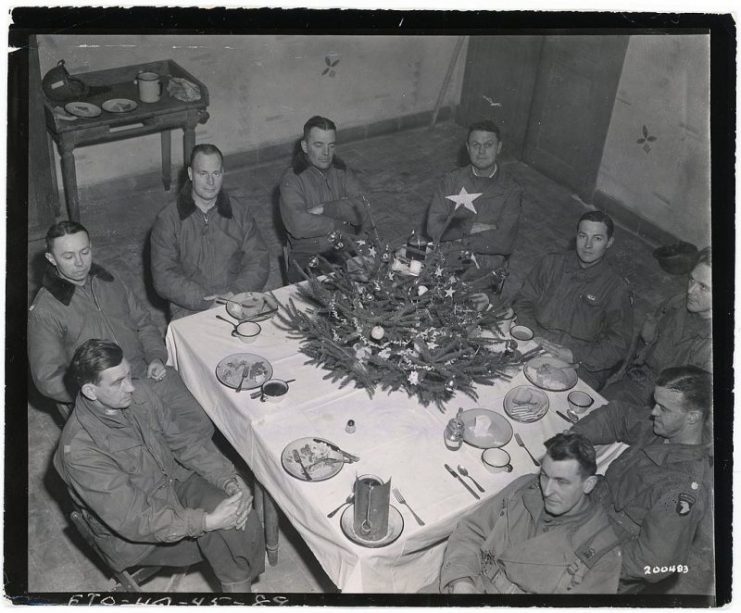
<point>129,580</point>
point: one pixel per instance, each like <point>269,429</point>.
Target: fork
<point>402,500</point>
<point>521,443</point>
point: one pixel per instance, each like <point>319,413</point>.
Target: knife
<point>298,459</point>
<point>241,381</point>
<point>333,447</point>
<point>457,476</point>
<point>562,416</point>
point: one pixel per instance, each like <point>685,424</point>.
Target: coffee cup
<point>521,333</point>
<point>579,401</point>
<point>247,331</point>
<point>274,390</point>
<point>150,86</point>
<point>496,460</point>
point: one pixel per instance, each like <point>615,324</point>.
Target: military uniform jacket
<point>657,493</point>
<point>63,316</point>
<point>510,545</point>
<point>683,338</point>
<point>120,469</point>
<point>587,310</point>
<point>337,189</point>
<point>196,255</point>
<point>500,203</point>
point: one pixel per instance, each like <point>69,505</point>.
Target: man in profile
<point>206,244</point>
<point>476,209</point>
<point>679,333</point>
<point>542,534</point>
<point>658,492</point>
<point>154,491</point>
<point>578,306</point>
<point>319,195</point>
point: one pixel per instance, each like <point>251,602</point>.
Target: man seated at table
<point>577,305</point>
<point>477,208</point>
<point>658,492</point>
<point>206,244</point>
<point>319,195</point>
<point>155,491</point>
<point>541,534</point>
<point>79,300</point>
<point>679,333</point>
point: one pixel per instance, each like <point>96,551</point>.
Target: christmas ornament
<point>464,199</point>
<point>377,333</point>
<point>422,290</point>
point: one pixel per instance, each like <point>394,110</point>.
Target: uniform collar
<point>661,453</point>
<point>110,431</point>
<point>186,205</point>
<point>62,289</point>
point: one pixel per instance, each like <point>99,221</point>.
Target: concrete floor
<point>400,170</point>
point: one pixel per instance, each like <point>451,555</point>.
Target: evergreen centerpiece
<point>376,323</point>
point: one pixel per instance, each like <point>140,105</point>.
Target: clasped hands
<point>232,512</point>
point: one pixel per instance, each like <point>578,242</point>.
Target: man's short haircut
<point>484,126</point>
<point>573,446</point>
<point>318,122</point>
<point>705,257</point>
<point>92,358</point>
<point>600,217</point>
<point>63,228</point>
<point>205,149</point>
<point>695,384</point>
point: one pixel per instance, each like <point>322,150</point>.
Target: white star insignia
<point>464,199</point>
<point>439,272</point>
<point>372,252</point>
<point>449,292</point>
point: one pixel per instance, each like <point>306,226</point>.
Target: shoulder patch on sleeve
<point>684,503</point>
<point>67,449</point>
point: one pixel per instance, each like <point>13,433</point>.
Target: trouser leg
<point>236,556</point>
<point>173,393</point>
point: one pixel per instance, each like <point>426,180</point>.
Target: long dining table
<point>395,437</point>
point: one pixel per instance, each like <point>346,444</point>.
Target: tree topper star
<point>464,199</point>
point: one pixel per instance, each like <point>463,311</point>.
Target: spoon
<point>464,471</point>
<point>349,500</point>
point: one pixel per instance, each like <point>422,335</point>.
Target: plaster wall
<point>661,173</point>
<point>264,87</point>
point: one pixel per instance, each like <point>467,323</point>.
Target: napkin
<point>183,90</point>
<point>481,425</point>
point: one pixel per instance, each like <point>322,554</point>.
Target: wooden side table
<point>167,114</point>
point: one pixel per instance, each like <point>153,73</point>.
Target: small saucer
<point>396,527</point>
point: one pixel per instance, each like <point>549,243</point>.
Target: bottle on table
<point>454,432</point>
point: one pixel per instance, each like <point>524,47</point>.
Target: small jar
<point>454,434</point>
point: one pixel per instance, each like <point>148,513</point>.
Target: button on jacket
<point>658,491</point>
<point>338,189</point>
<point>196,254</point>
<point>587,310</point>
<point>121,466</point>
<point>64,315</point>
<point>510,545</point>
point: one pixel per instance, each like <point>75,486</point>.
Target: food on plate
<point>549,375</point>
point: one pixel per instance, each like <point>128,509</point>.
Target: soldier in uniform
<point>319,195</point>
<point>658,492</point>
<point>680,332</point>
<point>477,208</point>
<point>541,534</point>
<point>577,305</point>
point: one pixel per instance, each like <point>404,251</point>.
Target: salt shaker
<point>454,432</point>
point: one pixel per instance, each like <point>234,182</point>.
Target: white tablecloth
<point>395,437</point>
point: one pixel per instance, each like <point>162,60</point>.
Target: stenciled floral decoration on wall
<point>331,60</point>
<point>645,140</point>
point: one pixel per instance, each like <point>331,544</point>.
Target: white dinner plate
<point>82,109</point>
<point>526,403</point>
<point>119,105</point>
<point>396,526</point>
<point>229,370</point>
<point>497,434</point>
<point>267,303</point>
<point>320,461</point>
<point>550,373</point>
